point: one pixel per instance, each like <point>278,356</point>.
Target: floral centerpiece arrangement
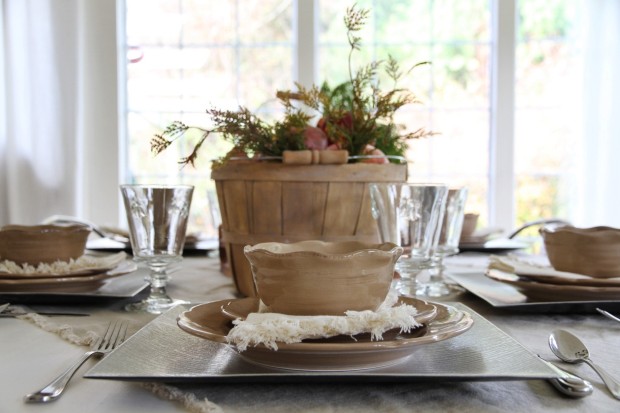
<point>347,126</point>
<point>355,119</point>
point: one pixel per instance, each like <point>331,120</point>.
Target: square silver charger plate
<point>161,351</point>
<point>507,297</point>
<point>122,287</point>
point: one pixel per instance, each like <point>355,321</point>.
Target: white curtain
<point>598,201</point>
<point>59,136</point>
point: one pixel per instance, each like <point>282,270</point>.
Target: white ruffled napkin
<point>83,263</point>
<point>270,328</point>
<point>522,266</point>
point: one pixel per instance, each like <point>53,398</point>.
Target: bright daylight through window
<point>184,56</point>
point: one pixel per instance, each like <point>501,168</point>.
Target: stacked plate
<point>95,270</point>
<point>544,283</point>
<point>439,322</point>
<point>487,240</point>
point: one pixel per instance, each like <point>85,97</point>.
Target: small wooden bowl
<point>322,278</point>
<point>42,243</point>
<point>591,251</point>
<point>470,222</point>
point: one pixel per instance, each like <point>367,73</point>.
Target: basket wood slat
<point>274,202</point>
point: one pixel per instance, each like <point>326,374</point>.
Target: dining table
<point>34,348</point>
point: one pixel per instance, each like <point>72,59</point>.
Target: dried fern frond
<point>353,115</point>
<point>419,134</point>
<point>159,144</point>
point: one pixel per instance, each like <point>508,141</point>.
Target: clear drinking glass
<point>157,217</point>
<point>449,234</point>
<point>408,215</point>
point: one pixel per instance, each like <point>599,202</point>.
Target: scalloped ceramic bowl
<point>322,278</point>
<point>592,251</point>
<point>470,221</point>
<point>42,243</point>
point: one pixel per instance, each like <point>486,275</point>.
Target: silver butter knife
<point>567,383</point>
<point>45,313</point>
<point>6,312</point>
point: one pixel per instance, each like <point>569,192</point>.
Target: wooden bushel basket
<point>275,202</point>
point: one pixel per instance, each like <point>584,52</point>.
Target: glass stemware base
<point>408,268</point>
<point>154,305</point>
<point>158,300</point>
<point>436,286</point>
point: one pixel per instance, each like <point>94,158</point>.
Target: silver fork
<point>113,336</point>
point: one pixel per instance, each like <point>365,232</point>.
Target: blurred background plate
<point>122,287</point>
<point>504,296</point>
<point>565,292</point>
<point>494,246</point>
<point>199,248</point>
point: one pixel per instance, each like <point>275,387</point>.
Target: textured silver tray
<point>161,351</point>
<point>504,296</point>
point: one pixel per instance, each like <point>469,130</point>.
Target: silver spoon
<point>567,347</point>
<point>567,383</point>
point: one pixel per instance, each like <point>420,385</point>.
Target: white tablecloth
<point>30,356</point>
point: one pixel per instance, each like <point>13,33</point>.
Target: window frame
<point>501,175</point>
<point>501,200</point>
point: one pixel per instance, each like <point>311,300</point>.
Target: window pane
<point>189,55</point>
<point>403,21</point>
<point>261,74</point>
<point>153,22</point>
<point>464,20</point>
<point>455,37</point>
<point>548,103</point>
<point>461,75</point>
<point>208,21</point>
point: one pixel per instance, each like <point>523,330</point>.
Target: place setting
<point>388,337</point>
<point>327,310</point>
<point>331,322</point>
<point>50,262</point>
<point>582,264</point>
<point>413,339</point>
<point>578,271</point>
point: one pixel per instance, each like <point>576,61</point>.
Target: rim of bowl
<point>569,229</point>
<point>44,229</point>
<point>157,186</point>
<point>364,248</point>
<point>570,235</point>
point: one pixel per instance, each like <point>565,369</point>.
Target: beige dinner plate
<point>32,283</point>
<point>337,354</point>
<point>558,279</point>
<point>547,291</point>
<point>242,307</point>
